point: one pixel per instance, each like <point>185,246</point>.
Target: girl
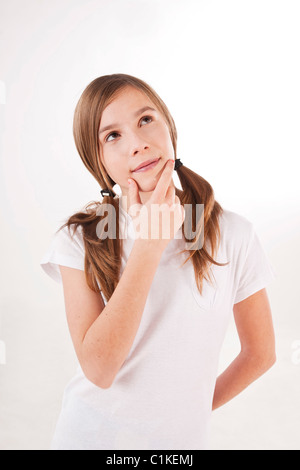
<point>148,314</point>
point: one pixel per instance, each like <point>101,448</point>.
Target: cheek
<point>165,138</point>
<point>107,162</point>
<point>162,135</point>
<point>115,164</point>
<point>110,156</point>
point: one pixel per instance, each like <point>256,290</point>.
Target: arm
<point>103,335</point>
<point>253,320</point>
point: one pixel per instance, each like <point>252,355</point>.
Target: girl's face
<point>130,134</point>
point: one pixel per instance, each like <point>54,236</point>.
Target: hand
<point>148,223</point>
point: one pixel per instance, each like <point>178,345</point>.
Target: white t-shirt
<point>162,396</point>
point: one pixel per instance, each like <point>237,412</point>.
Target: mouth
<point>148,165</point>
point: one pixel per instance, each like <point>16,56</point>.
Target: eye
<point>112,133</point>
<point>146,117</point>
<point>116,133</point>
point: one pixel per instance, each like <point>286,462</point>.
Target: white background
<point>229,73</point>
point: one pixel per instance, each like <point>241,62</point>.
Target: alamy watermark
<point>154,222</point>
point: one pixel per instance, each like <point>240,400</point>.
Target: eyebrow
<point>137,113</point>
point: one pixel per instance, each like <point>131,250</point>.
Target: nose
<point>140,149</point>
<point>137,143</point>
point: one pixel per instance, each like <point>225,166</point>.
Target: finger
<point>164,182</point>
<point>170,195</point>
<point>133,193</point>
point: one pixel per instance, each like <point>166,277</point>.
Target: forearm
<point>244,370</point>
<point>109,339</point>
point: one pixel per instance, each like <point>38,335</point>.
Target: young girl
<point>148,314</point>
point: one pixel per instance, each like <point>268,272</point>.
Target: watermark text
<point>157,221</point>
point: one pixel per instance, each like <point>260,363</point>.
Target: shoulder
<point>233,220</point>
<point>69,240</point>
<point>65,249</point>
<point>70,233</point>
<point>233,224</point>
<point>236,232</point>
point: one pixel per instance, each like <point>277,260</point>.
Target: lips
<point>146,163</point>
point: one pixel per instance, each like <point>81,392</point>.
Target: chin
<point>147,188</point>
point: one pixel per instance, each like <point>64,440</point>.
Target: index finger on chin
<point>164,182</point>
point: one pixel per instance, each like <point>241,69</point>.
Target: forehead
<point>124,103</point>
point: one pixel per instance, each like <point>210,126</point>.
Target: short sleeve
<point>65,249</point>
<point>256,271</point>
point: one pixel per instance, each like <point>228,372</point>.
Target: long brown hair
<point>103,256</point>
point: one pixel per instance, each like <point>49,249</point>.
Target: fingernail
<point>129,182</point>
